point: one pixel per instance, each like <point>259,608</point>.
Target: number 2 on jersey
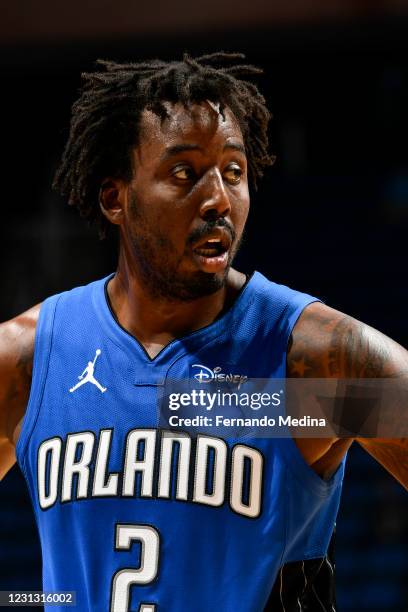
<point>149,539</point>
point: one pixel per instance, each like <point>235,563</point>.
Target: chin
<point>178,285</point>
<point>198,285</point>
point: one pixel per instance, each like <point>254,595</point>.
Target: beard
<point>158,261</point>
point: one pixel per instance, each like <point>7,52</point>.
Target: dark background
<point>330,218</point>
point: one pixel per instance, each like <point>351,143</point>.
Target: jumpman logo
<point>88,375</point>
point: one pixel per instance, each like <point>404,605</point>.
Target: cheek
<point>146,208</point>
<point>240,210</point>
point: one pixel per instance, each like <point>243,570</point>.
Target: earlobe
<point>110,200</point>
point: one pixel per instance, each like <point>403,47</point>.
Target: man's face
<point>188,200</point>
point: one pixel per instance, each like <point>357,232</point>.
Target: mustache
<point>208,227</point>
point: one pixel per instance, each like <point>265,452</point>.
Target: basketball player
<point>135,518</point>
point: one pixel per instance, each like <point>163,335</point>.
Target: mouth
<point>212,252</point>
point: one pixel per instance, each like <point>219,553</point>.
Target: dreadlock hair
<point>106,117</point>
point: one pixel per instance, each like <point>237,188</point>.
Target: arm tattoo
<point>18,390</point>
<point>329,344</point>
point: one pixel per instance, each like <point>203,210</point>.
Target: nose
<point>215,201</point>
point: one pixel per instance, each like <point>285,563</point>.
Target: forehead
<point>199,124</point>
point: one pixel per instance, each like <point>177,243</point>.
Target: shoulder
<point>16,358</point>
<point>277,306</point>
<point>326,343</point>
<point>17,338</point>
<point>19,331</point>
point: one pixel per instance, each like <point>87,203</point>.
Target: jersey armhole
<point>294,460</point>
<point>42,351</point>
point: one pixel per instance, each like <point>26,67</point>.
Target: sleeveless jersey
<point>127,514</point>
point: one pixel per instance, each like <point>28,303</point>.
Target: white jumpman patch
<point>88,375</point>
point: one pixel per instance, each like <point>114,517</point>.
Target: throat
<point>155,346</point>
<point>156,324</point>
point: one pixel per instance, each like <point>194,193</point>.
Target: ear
<point>112,198</point>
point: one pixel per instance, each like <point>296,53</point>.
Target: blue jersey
<point>127,515</point>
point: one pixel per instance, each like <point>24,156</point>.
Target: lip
<point>220,234</point>
<point>212,265</point>
<point>215,263</point>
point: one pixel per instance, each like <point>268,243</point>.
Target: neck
<point>156,321</point>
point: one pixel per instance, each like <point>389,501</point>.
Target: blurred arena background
<point>330,218</point>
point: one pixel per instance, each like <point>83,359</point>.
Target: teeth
<point>214,240</point>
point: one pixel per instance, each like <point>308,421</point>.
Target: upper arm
<point>16,358</point>
<point>326,343</point>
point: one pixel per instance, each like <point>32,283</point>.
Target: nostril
<point>211,214</point>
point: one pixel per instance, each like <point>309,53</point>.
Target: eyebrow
<point>181,148</point>
<point>235,146</point>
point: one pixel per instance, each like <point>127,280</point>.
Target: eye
<point>233,174</point>
<point>183,173</point>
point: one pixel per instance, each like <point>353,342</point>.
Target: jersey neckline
<point>119,335</point>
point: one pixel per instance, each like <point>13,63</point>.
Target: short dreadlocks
<point>105,118</point>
